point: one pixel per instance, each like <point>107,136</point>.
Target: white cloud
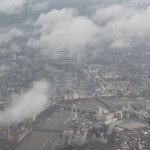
<point>8,34</point>
<point>123,26</point>
<point>120,25</point>
<point>11,6</point>
<point>27,104</point>
<point>63,30</point>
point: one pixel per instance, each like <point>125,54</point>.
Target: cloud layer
<point>117,24</point>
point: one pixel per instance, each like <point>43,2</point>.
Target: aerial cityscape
<point>74,75</point>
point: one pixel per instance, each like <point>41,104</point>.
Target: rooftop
<point>131,125</point>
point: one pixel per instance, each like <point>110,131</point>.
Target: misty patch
<point>25,105</point>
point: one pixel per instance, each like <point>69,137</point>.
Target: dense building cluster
<point>121,75</point>
<point>121,127</point>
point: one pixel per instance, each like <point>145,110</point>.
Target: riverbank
<point>87,146</point>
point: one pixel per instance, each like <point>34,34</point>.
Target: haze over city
<point>74,74</point>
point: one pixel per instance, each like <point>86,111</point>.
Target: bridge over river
<point>47,130</point>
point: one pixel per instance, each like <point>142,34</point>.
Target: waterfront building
<point>147,104</point>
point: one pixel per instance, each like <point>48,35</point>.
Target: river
<point>55,122</point>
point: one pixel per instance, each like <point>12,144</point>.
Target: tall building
<point>98,113</point>
<point>147,104</point>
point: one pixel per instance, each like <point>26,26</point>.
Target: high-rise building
<point>149,121</point>
<point>98,113</point>
<point>147,104</point>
